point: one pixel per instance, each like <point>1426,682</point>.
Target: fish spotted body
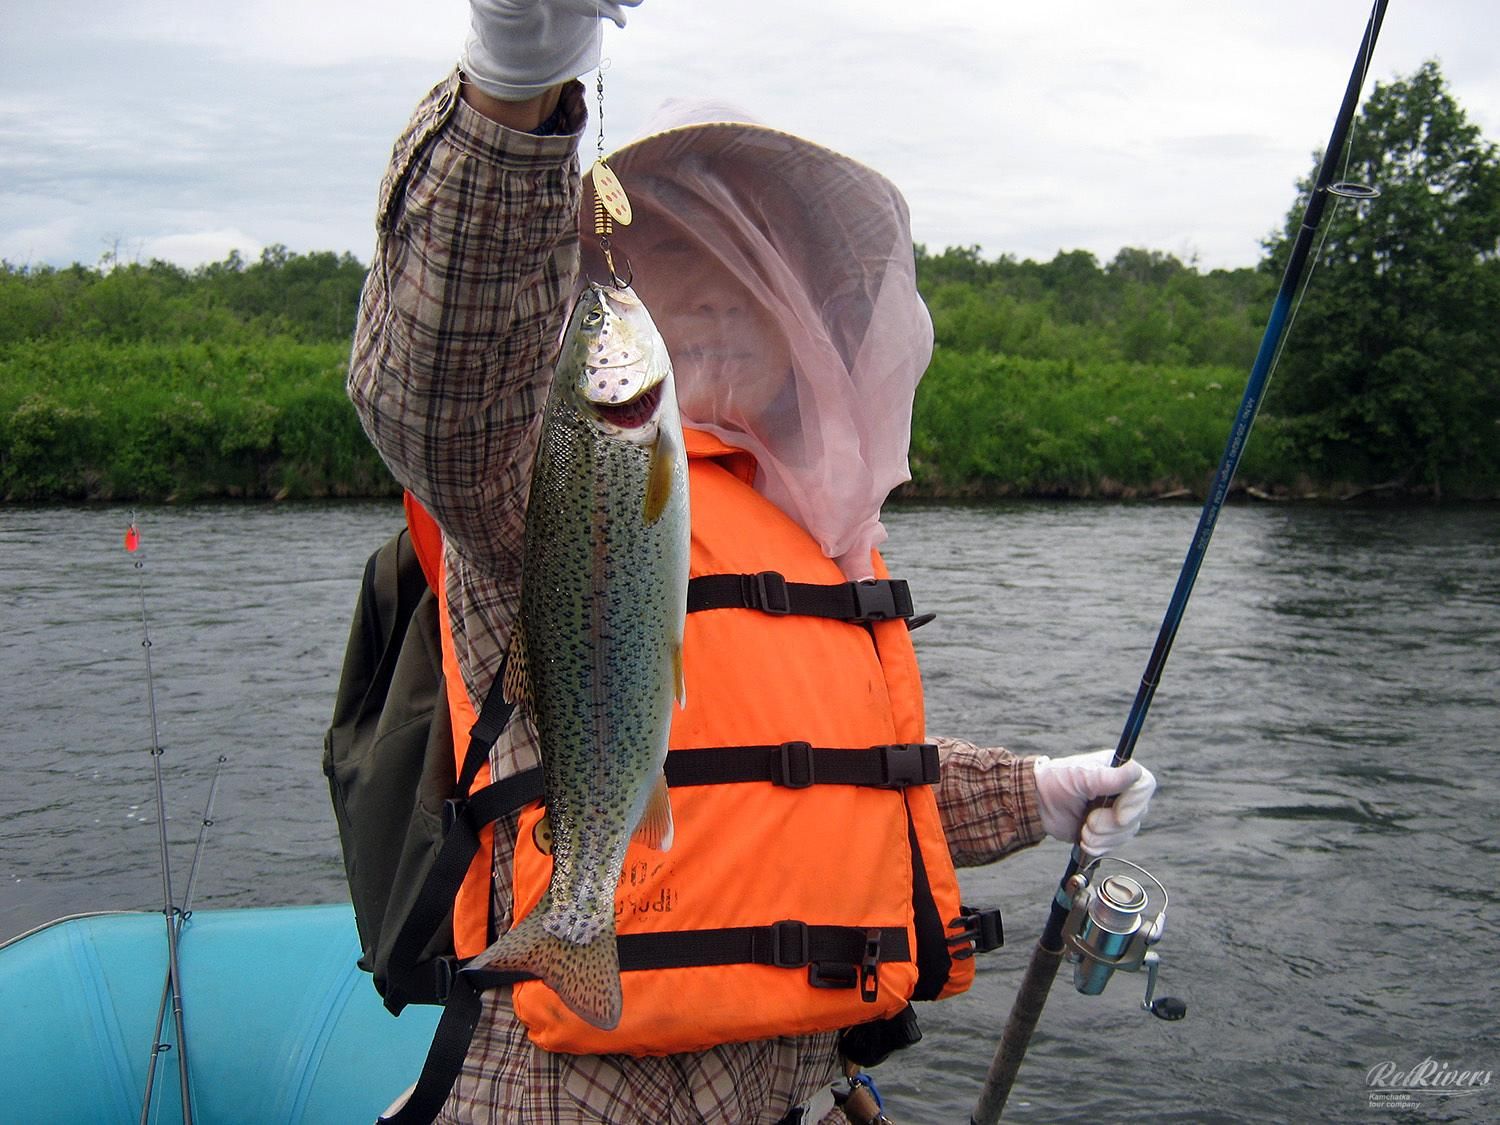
<point>596,656</point>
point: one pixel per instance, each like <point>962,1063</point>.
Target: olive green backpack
<point>406,832</point>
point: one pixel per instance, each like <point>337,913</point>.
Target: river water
<point>1324,737</point>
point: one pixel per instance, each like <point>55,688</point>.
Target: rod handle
<point>1031,998</point>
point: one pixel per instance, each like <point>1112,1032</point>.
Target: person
<point>781,275</point>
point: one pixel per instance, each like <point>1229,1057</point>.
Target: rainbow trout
<point>596,657</point>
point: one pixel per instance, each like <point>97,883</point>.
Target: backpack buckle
<point>443,969</point>
<point>453,811</point>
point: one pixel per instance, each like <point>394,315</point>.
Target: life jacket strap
<point>881,599</point>
<point>797,765</point>
<point>793,765</point>
<point>836,956</point>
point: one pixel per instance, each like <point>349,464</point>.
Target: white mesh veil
<point>782,278</point>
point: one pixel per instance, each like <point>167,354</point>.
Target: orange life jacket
<point>785,906</point>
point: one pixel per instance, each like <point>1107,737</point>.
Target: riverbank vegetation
<point>1072,377</point>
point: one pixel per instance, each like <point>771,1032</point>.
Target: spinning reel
<point>1113,920</point>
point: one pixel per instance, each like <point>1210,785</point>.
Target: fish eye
<point>594,317</point>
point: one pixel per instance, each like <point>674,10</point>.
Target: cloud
<point>142,146</point>
<point>193,248</point>
<point>1023,127</point>
<point>48,238</point>
<point>279,32</point>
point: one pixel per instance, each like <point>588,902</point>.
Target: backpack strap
<point>410,979</point>
<point>445,1058</point>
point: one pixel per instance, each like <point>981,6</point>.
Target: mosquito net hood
<point>781,275</point>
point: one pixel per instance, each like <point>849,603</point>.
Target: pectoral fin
<point>655,829</point>
<point>679,680</point>
<point>659,476</point>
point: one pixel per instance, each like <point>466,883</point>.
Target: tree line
<point>308,298</point>
<point>1067,377</point>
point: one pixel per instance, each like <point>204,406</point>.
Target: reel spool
<point>1114,918</point>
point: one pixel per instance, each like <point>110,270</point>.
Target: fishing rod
<point>1102,925</point>
<point>169,910</point>
<point>205,823</point>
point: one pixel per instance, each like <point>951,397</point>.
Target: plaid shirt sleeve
<point>987,801</point>
<point>475,259</point>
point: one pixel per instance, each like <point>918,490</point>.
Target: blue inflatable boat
<point>281,1026</point>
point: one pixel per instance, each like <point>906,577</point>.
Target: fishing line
<point>170,913</point>
<point>611,204</point>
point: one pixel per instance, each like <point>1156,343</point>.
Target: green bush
<point>1002,425</point>
<point>93,419</point>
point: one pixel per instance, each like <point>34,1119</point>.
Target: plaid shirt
<point>475,261</point>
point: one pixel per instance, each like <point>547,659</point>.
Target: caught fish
<point>596,657</point>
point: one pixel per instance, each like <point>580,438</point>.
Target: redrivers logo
<point>1392,1087</point>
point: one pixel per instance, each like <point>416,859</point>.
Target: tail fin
<point>585,977</point>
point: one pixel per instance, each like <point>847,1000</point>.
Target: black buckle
<point>833,974</point>
<point>795,765</point>
<point>869,968</point>
<point>864,976</point>
<point>881,599</point>
<point>789,944</point>
<point>443,970</point>
<point>767,592</point>
<point>453,811</point>
<point>982,930</point>
<point>908,764</point>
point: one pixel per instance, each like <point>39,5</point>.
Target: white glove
<point>1065,786</point>
<point>519,48</point>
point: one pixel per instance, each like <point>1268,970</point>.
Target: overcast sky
<point>181,130</point>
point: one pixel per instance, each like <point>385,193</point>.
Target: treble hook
<point>607,249</point>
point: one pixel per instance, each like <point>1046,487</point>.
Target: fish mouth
<point>634,414</point>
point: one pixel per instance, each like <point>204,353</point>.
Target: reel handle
<point>1167,1008</point>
